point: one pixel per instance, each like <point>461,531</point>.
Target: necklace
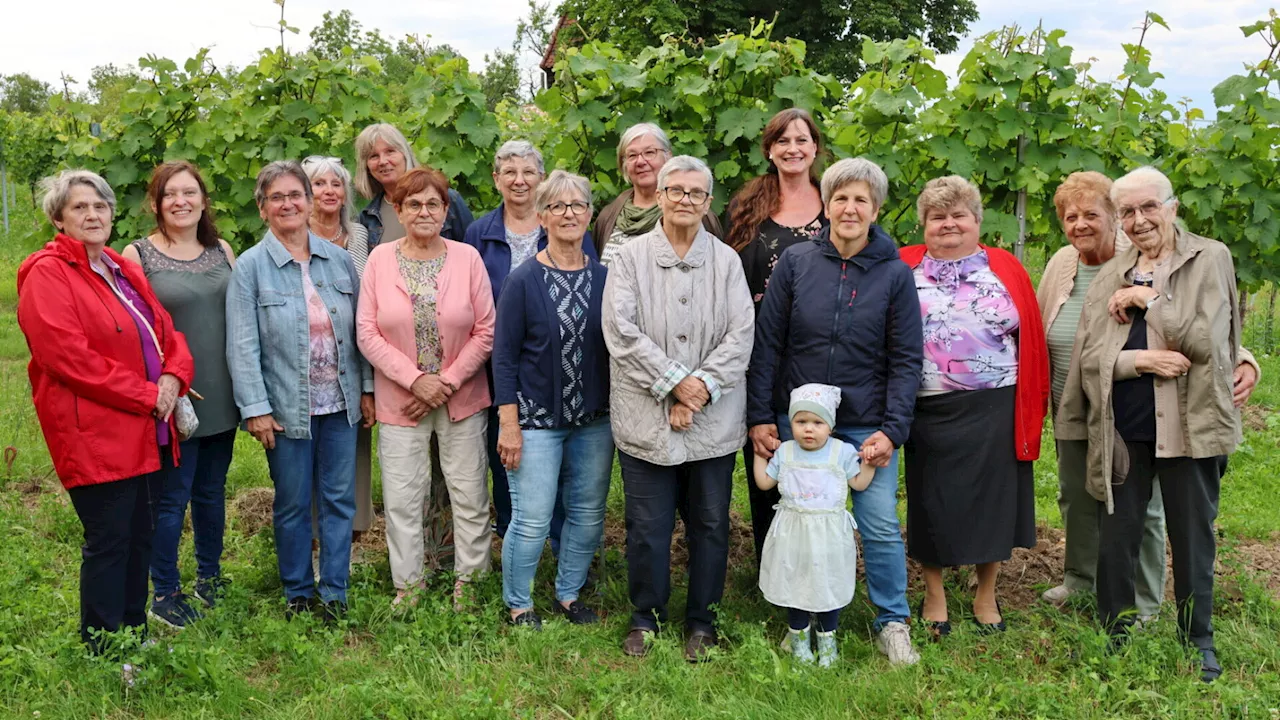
<point>338,239</point>
<point>582,258</point>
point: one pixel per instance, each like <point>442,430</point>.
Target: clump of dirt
<point>252,509</point>
<point>1255,417</point>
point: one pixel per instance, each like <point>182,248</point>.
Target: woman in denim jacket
<point>300,383</point>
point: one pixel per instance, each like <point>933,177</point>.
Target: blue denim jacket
<point>268,334</point>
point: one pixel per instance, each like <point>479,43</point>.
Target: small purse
<point>184,416</point>
<point>1119,459</point>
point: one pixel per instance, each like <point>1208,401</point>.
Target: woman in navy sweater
<point>551,385</point>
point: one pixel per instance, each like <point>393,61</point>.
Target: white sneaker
<point>894,641</point>
<point>1057,595</point>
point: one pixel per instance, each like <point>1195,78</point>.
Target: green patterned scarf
<point>636,220</point>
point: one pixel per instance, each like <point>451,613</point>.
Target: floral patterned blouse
<point>761,255</point>
<point>326,392</point>
<point>970,326</point>
<point>420,278</point>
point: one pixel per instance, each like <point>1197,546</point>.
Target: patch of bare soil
<point>1255,416</point>
<point>252,509</point>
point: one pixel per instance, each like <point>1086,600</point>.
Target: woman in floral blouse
<point>426,325</point>
<point>981,404</point>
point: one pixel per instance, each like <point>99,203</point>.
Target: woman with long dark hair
<point>769,214</point>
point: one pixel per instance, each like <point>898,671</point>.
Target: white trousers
<point>405,455</point>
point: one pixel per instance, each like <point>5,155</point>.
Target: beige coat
<point>665,317</point>
<point>1196,314</point>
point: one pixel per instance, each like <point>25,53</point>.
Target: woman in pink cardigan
<point>425,323</point>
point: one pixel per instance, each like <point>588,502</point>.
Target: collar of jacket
<point>666,255</point>
<point>67,249</point>
<point>1186,245</point>
<point>280,254</point>
<point>880,247</point>
<point>494,228</point>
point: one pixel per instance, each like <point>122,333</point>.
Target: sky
<point>1203,47</point>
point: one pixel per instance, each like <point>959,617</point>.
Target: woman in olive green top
<point>189,269</point>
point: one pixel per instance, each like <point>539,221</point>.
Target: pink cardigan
<point>464,312</point>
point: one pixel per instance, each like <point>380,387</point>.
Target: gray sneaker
<point>1057,595</point>
<point>827,652</point>
<point>173,611</point>
<point>801,645</point>
<point>894,641</point>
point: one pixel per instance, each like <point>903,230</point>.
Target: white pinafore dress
<point>810,559</point>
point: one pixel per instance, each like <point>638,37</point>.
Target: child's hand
<point>877,450</point>
<point>861,481</point>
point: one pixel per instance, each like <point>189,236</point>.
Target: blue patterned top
<point>570,293</point>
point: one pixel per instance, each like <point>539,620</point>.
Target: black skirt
<point>969,499</point>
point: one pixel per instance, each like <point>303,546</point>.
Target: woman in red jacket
<point>981,404</point>
<point>106,371</point>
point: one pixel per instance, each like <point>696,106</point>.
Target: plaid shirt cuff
<point>713,387</point>
<point>669,379</point>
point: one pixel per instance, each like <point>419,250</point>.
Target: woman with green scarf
<point>642,151</point>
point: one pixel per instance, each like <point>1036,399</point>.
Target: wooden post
<point>4,193</point>
<point>1020,209</point>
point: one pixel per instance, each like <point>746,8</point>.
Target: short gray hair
<point>556,184</point>
<point>318,165</point>
<point>945,192</point>
<point>57,191</point>
<point>852,170</point>
<point>365,141</point>
<point>1145,176</point>
<point>518,149</point>
<point>275,171</point>
<point>685,163</point>
<point>634,133</point>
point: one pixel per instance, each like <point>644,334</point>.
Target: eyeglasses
<point>281,198</point>
<point>649,155</point>
<point>675,195</point>
<point>1147,209</point>
<point>416,206</point>
<point>559,208</point>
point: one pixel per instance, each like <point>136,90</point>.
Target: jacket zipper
<point>835,323</point>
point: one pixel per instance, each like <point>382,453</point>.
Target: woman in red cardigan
<point>107,368</point>
<point>981,404</point>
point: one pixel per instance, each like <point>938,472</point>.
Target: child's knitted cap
<point>821,400</point>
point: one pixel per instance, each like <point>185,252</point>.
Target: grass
<point>244,660</point>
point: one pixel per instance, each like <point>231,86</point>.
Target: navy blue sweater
<point>850,323</point>
<point>526,343</point>
<point>489,236</point>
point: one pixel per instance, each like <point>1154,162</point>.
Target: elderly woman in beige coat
<point>679,323</point>
<point>1152,378</point>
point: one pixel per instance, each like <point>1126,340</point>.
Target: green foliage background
<point>1014,88</point>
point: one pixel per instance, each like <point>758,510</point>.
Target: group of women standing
<point>508,345</point>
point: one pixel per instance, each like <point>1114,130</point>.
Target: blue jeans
<point>577,461</point>
<point>502,489</point>
<point>884,556</point>
<point>323,466</point>
<point>202,481</point>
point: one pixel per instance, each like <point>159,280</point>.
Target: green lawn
<point>244,660</point>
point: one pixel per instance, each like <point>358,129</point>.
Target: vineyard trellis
<point>1018,118</point>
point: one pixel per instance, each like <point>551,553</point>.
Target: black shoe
<point>173,611</point>
<point>1210,670</point>
<point>297,606</point>
<point>991,628</point>
<point>528,619</point>
<point>209,590</point>
<point>332,611</point>
<point>938,629</point>
<point>577,613</point>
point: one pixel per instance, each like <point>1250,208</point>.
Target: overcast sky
<point>1204,46</point>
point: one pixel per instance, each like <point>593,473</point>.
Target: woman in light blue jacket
<point>300,383</point>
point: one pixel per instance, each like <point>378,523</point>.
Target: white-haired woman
<point>383,156</point>
<point>678,322</point>
<point>1154,357</point>
<point>107,367</point>
<point>331,220</point>
<point>812,329</point>
<point>506,237</point>
<point>642,151</point>
<point>551,372</point>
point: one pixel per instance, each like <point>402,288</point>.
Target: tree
<point>23,93</point>
<point>828,27</point>
<point>501,78</point>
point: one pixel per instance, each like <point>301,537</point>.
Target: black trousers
<point>653,493</point>
<point>762,502</point>
<point>119,519</point>
<point>1190,489</point>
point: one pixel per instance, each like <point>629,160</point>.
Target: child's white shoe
<point>827,652</point>
<point>801,645</point>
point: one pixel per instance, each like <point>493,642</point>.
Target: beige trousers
<point>405,455</point>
